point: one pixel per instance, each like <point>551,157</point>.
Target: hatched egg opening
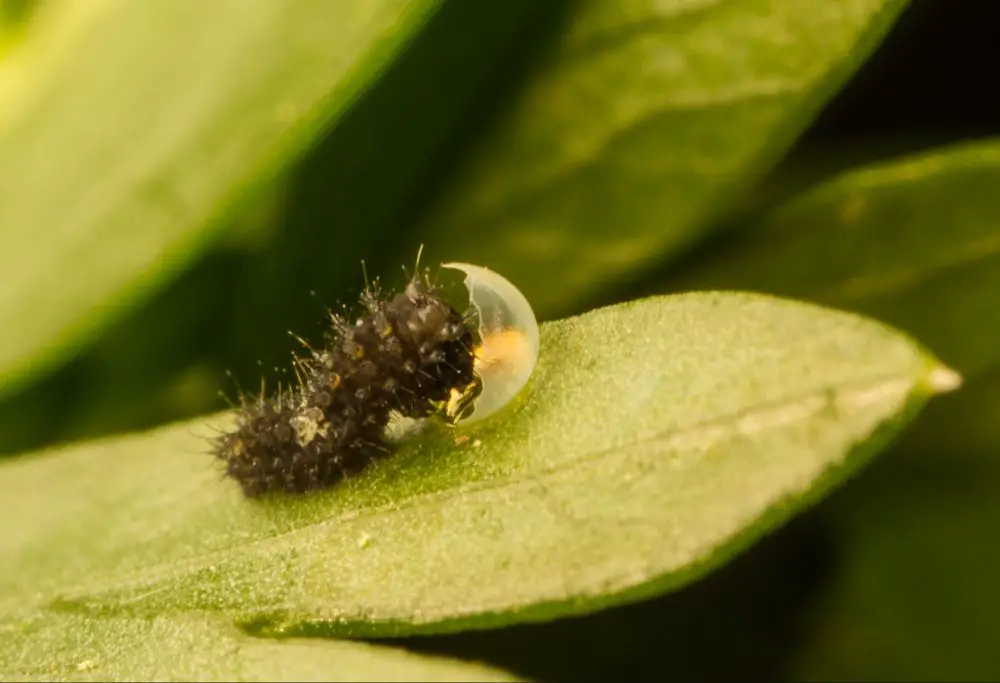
<point>509,341</point>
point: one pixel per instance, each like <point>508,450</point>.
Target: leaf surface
<point>70,647</point>
<point>656,439</point>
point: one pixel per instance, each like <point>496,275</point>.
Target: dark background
<point>932,81</point>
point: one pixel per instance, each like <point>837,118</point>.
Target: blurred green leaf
<point>127,129</point>
<point>12,13</point>
<point>140,374</point>
<point>636,129</point>
<point>50,646</point>
<point>656,439</point>
<point>913,242</point>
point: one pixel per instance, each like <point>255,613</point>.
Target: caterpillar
<point>412,354</point>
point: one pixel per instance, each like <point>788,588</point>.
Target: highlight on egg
<point>507,352</point>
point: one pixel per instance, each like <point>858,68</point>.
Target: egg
<point>507,352</point>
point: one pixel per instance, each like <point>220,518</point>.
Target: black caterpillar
<point>405,354</point>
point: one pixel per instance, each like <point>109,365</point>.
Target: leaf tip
<point>943,379</point>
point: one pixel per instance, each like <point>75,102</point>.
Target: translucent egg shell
<point>508,331</point>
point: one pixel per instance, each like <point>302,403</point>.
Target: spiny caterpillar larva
<point>412,354</point>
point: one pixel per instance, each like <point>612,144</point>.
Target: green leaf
<point>656,439</point>
<point>57,646</point>
<point>912,242</point>
<point>129,128</point>
<point>12,15</point>
<point>640,125</point>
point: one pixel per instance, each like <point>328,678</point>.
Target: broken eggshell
<point>509,339</point>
